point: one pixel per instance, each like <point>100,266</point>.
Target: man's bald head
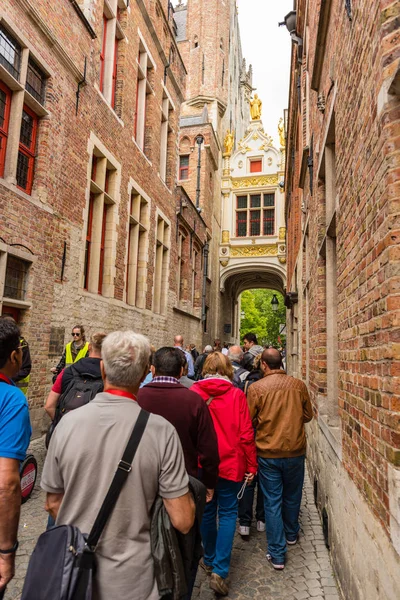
<point>178,340</point>
<point>272,359</point>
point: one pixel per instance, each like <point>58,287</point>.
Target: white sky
<point>267,47</point>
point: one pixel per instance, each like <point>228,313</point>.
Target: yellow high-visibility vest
<point>81,354</point>
<point>22,384</point>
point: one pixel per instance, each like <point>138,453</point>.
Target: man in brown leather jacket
<point>280,406</point>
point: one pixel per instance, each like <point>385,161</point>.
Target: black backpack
<point>81,390</point>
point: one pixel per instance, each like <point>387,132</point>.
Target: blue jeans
<point>246,504</point>
<point>281,481</point>
<point>218,542</point>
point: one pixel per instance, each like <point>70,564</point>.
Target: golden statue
<point>229,142</point>
<point>255,108</point>
<point>281,131</point>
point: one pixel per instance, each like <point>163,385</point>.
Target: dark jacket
<point>239,375</point>
<point>175,554</point>
<point>88,365</point>
<point>26,366</point>
<point>190,416</point>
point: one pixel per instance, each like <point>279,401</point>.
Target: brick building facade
<point>93,222</point>
<point>342,207</point>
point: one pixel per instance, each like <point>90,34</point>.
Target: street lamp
<point>274,303</point>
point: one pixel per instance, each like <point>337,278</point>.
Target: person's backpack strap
<point>211,398</point>
<point>120,476</point>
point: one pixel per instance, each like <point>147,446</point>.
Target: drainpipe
<point>205,275</point>
<point>199,141</point>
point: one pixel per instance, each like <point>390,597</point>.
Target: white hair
<point>235,356</point>
<point>125,355</point>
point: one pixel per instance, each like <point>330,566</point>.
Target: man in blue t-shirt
<point>15,433</point>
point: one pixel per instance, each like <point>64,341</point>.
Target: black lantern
<point>274,303</point>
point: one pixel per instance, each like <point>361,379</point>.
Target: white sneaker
<point>260,526</point>
<point>244,531</point>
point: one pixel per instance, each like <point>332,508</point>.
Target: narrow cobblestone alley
<point>308,574</point>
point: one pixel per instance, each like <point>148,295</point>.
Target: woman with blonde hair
<point>238,460</point>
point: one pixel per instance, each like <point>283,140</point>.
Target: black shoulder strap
<point>120,476</point>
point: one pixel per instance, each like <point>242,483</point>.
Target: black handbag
<point>62,564</point>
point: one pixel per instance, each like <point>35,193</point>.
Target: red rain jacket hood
<point>232,423</point>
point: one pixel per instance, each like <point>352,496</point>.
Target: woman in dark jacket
<point>238,459</point>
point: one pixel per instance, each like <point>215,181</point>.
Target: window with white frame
<point>136,276</point>
<point>20,76</point>
<point>111,35</point>
<point>161,271</point>
<point>143,90</point>
<point>165,134</point>
<point>255,214</point>
<point>100,225</point>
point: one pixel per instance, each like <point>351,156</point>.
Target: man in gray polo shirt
<point>82,457</point>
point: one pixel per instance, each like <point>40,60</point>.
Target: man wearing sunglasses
<point>15,433</point>
<point>75,350</point>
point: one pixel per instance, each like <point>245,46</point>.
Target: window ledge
<point>106,102</point>
<point>16,303</point>
<point>164,184</point>
<point>37,108</point>
<point>13,188</point>
<point>9,80</point>
<point>141,151</point>
<point>332,434</point>
<point>187,314</point>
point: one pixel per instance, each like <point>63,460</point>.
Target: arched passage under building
<point>236,280</point>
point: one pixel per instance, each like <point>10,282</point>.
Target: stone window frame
<point>7,250</point>
<point>182,235</point>
<point>145,64</point>
<point>101,214</point>
<point>137,251</point>
<point>248,209</point>
<point>161,263</point>
<point>167,107</point>
<point>111,36</point>
<point>328,405</point>
<point>20,100</point>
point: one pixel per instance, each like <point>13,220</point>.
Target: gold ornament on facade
<point>255,108</point>
<point>281,131</point>
<point>247,182</point>
<point>225,236</point>
<point>224,263</point>
<point>282,259</point>
<point>229,142</point>
<point>282,233</point>
<point>265,250</point>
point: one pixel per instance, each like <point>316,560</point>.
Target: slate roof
<point>180,17</point>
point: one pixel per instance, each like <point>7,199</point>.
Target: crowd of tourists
<point>153,461</point>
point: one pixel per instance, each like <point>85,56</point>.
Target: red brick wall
<point>359,56</point>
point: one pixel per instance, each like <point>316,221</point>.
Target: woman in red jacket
<point>238,459</point>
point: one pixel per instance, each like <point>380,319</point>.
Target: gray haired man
<point>83,454</point>
<point>235,355</point>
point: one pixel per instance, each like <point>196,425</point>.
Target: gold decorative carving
<point>224,263</point>
<point>255,108</point>
<point>246,182</point>
<point>282,259</point>
<point>255,136</point>
<point>282,233</point>
<point>281,131</point>
<point>229,142</point>
<point>225,236</point>
<point>265,250</point>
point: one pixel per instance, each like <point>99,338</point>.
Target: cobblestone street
<point>308,573</point>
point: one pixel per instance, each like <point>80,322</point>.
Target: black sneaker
<point>292,542</point>
<point>278,566</point>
